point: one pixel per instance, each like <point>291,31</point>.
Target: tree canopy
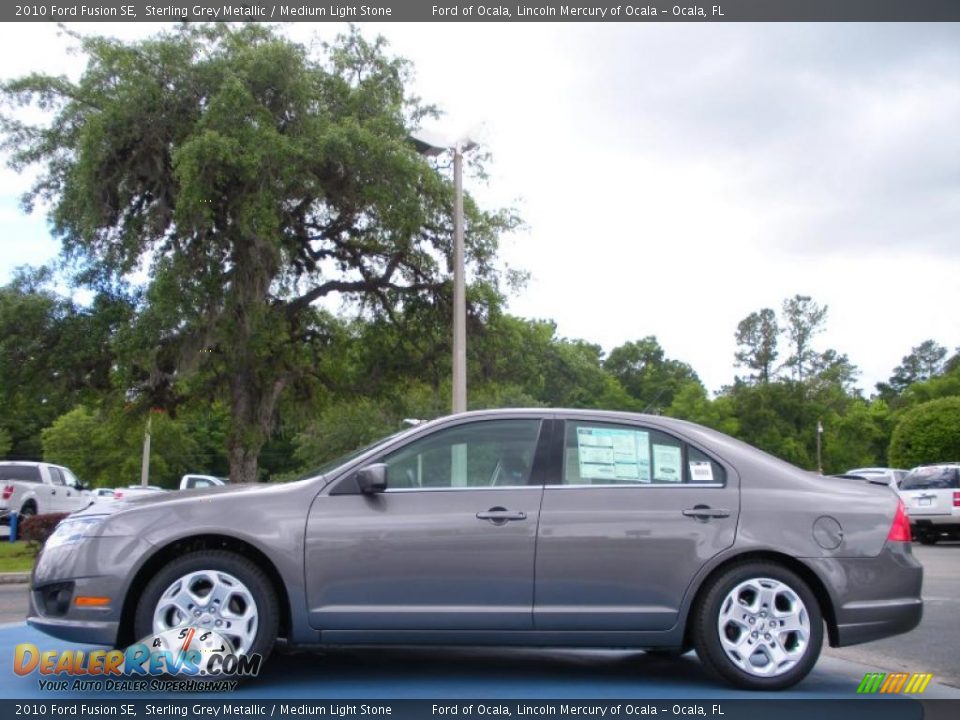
<point>250,180</point>
<point>928,433</point>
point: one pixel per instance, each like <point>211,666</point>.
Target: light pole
<point>819,441</point>
<point>425,147</point>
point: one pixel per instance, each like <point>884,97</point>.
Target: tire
<point>247,589</point>
<point>28,510</point>
<point>927,538</point>
<point>732,624</point>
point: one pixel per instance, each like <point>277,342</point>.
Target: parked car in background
<point>893,476</point>
<point>39,488</point>
<point>103,494</point>
<point>931,494</point>
<point>510,527</point>
<point>188,482</point>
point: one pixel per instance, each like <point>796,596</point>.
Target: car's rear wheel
<point>212,590</point>
<point>758,626</point>
<point>927,538</point>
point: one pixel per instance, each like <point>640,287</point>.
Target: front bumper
<point>99,566</point>
<point>92,632</point>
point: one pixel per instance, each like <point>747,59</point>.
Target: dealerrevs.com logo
<point>186,658</point>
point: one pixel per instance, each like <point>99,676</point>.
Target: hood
<point>155,499</point>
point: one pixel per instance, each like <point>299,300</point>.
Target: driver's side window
<point>492,453</point>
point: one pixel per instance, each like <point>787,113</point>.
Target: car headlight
<point>73,530</point>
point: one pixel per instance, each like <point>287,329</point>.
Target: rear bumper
<point>867,621</point>
<point>872,598</point>
<point>936,522</point>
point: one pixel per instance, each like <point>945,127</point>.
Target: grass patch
<point>15,557</point>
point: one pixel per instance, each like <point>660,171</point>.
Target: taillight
<point>900,530</point>
<point>956,498</point>
<point>117,494</point>
<point>8,492</point>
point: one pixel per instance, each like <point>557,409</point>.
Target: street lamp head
<point>430,145</point>
<point>426,149</point>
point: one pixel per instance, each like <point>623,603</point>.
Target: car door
<point>632,515</point>
<point>75,498</point>
<point>449,545</point>
<point>57,492</point>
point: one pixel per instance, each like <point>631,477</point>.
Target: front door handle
<point>704,512</point>
<point>499,515</point>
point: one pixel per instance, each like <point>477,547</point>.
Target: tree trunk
<point>243,463</point>
<point>252,410</point>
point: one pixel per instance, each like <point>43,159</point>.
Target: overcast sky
<point>676,177</point>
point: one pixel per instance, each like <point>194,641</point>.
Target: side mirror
<point>372,479</point>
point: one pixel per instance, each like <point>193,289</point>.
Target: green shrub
<point>929,433</point>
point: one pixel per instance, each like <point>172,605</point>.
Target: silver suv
<point>931,494</point>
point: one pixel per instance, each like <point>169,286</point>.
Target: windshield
<point>347,457</point>
<point>931,478</point>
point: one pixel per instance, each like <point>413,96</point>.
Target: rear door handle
<point>499,515</point>
<point>702,512</point>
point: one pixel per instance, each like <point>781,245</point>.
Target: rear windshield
<point>931,478</point>
<point>29,473</point>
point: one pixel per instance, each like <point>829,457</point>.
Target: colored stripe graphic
<point>870,683</point>
<point>894,683</point>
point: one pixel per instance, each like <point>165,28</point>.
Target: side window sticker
<point>613,454</point>
<point>667,463</point>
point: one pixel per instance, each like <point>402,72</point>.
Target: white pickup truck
<point>38,488</point>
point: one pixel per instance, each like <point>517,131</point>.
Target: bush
<point>929,433</point>
<point>37,528</point>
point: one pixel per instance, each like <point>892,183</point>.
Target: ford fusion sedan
<point>521,527</point>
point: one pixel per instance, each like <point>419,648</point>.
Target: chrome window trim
<point>637,485</point>
<point>461,488</point>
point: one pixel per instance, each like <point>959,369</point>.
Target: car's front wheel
<point>758,626</point>
<point>212,590</point>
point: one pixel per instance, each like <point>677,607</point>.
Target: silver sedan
<point>514,527</point>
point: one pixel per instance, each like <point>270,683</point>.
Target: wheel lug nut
<point>752,621</point>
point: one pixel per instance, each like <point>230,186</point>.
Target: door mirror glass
<point>372,479</point>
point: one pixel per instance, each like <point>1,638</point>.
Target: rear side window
<point>600,454</point>
<point>25,473</point>
<point>931,478</point>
